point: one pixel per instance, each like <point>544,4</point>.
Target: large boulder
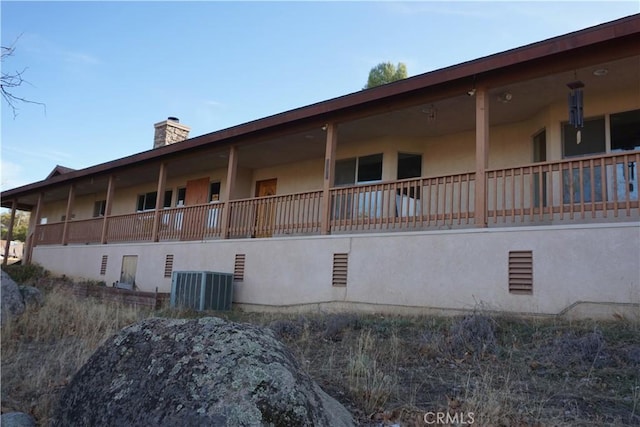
<point>205,372</point>
<point>17,419</point>
<point>11,301</point>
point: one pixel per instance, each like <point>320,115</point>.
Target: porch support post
<point>329,172</point>
<point>229,185</point>
<point>31,240</point>
<point>162,181</point>
<point>67,216</point>
<point>482,156</point>
<point>107,209</point>
<point>7,243</point>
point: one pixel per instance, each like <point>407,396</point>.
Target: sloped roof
<point>59,170</point>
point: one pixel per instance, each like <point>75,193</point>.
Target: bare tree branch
<point>10,81</point>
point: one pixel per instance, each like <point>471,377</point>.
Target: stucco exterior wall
<point>450,270</point>
<point>293,178</point>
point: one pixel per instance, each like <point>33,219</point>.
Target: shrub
<point>25,274</point>
<point>472,335</point>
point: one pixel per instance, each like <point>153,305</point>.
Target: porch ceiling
<point>453,114</point>
<point>457,114</point>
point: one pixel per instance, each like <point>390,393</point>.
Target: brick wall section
<point>151,300</point>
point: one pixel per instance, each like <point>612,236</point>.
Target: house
<point>507,183</point>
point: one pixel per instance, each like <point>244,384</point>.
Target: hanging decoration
<point>576,104</point>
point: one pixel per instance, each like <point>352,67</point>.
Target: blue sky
<point>107,71</point>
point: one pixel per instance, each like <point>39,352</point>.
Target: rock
<point>204,372</point>
<point>17,419</point>
<point>11,304</point>
<point>31,296</point>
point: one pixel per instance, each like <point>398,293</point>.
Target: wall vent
<point>103,265</point>
<point>202,290</point>
<point>168,265</point>
<point>238,268</point>
<point>340,266</point>
<point>521,272</point>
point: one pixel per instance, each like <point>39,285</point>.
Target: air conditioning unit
<point>202,290</point>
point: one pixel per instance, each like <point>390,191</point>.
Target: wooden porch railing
<point>191,222</point>
<point>578,189</point>
<point>135,227</point>
<point>85,231</point>
<point>408,204</point>
<point>276,215</point>
<point>48,234</point>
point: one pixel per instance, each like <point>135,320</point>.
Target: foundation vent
<point>238,268</point>
<point>103,265</point>
<point>521,272</point>
<point>168,265</point>
<point>340,266</point>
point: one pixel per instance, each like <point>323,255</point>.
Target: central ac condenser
<point>201,290</point>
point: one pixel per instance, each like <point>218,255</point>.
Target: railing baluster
<point>592,184</point>
<point>627,182</point>
<point>581,188</point>
<point>603,187</point>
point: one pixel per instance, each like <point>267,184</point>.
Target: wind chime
<point>576,107</point>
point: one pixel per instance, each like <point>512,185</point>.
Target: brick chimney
<point>170,131</point>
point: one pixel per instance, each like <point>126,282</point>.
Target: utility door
<point>266,209</point>
<point>128,272</point>
<point>197,193</point>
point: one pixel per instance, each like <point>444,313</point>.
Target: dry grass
<point>43,348</point>
<point>385,369</point>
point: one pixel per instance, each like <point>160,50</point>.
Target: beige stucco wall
<point>452,270</point>
<point>293,178</point>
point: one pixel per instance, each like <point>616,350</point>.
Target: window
<point>407,198</point>
<point>358,170</point>
<point>148,201</point>
<point>361,170</point>
<point>214,192</point>
<point>625,130</point>
<point>182,193</point>
<point>625,135</point>
<point>409,165</point>
<point>99,208</point>
<point>345,172</point>
<point>370,168</point>
<point>581,142</point>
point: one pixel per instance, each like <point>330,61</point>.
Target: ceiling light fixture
<point>505,97</point>
<point>431,113</point>
<point>600,72</point>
